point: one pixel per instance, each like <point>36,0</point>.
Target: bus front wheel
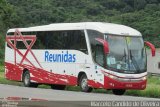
<point>118,91</point>
<point>84,84</point>
<point>27,82</point>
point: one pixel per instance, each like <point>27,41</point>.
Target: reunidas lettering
<point>62,57</point>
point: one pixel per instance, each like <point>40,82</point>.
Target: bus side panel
<point>51,73</point>
<point>39,75</point>
<point>13,72</point>
<point>95,77</point>
<point>59,71</point>
<point>42,76</point>
<point>47,72</point>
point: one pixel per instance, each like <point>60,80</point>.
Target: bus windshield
<point>127,54</point>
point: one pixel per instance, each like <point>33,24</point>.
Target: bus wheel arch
<point>82,82</point>
<point>26,79</point>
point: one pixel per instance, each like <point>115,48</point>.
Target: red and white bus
<point>87,54</point>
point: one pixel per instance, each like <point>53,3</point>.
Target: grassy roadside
<point>152,90</point>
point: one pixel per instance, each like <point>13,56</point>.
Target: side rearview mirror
<point>152,47</point>
<point>105,45</point>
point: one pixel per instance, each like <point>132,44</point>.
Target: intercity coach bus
<point>86,54</point>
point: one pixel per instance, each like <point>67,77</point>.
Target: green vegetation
<point>152,90</point>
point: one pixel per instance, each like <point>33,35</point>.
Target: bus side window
<point>99,55</point>
<point>75,40</point>
<point>70,40</point>
<point>40,41</point>
<point>96,47</point>
<point>83,45</point>
<point>20,45</point>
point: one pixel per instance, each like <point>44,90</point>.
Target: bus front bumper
<point>112,83</point>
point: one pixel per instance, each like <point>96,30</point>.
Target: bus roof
<point>108,28</point>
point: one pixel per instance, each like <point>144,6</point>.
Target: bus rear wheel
<point>118,91</point>
<point>58,87</point>
<point>83,84</point>
<point>27,82</point>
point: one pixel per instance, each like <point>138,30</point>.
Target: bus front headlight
<point>144,78</point>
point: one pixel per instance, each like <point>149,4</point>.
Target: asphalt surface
<point>61,95</point>
<point>60,98</point>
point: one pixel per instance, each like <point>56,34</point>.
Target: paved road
<point>57,95</point>
<point>57,98</point>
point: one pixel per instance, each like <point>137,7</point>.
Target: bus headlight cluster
<point>111,76</point>
<point>127,79</point>
<point>144,78</point>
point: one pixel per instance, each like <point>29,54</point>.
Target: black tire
<point>83,84</point>
<point>58,87</point>
<point>118,91</point>
<point>27,82</point>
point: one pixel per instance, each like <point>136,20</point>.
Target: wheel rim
<point>26,79</point>
<point>84,83</point>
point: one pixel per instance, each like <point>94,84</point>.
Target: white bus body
<point>74,54</point>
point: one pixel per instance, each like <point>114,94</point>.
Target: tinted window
<point>54,40</point>
<point>74,40</point>
<point>40,41</point>
<point>96,47</point>
<point>20,45</point>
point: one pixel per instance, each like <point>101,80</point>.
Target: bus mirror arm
<point>105,45</point>
<point>152,47</point>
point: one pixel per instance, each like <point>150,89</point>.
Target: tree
<point>139,4</point>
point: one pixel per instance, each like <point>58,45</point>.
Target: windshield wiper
<point>124,56</point>
<point>134,61</point>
